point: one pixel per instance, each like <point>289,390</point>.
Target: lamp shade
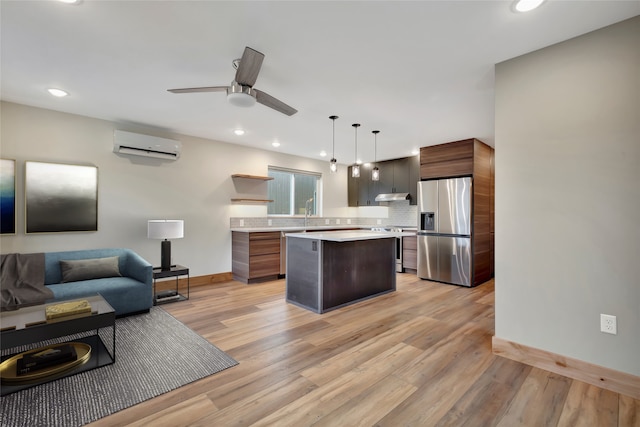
<point>165,229</point>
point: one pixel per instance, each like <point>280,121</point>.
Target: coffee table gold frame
<point>8,368</point>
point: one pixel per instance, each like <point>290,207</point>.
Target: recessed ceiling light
<point>323,153</point>
<point>70,1</point>
<point>275,144</point>
<point>238,132</point>
<point>57,92</point>
<point>526,5</point>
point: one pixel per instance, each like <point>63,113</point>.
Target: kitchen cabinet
<point>469,157</point>
<point>414,177</point>
<point>410,253</point>
<point>447,160</point>
<point>361,191</point>
<point>396,176</point>
<point>255,256</point>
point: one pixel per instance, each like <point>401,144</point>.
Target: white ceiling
<point>420,72</point>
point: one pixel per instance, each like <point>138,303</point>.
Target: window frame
<point>317,193</point>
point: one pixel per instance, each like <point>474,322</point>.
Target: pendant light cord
<point>356,125</point>
<point>333,147</point>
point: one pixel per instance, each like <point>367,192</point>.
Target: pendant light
<point>375,172</point>
<point>355,169</point>
<point>333,164</point>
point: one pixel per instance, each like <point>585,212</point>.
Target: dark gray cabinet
<point>396,176</point>
<point>361,191</point>
<point>414,177</point>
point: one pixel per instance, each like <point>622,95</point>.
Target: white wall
<point>197,187</point>
<point>568,197</point>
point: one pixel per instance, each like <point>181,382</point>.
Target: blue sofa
<point>131,293</point>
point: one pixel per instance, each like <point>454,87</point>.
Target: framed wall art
<point>60,197</point>
<point>7,196</point>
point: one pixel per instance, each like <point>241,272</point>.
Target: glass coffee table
<point>26,328</point>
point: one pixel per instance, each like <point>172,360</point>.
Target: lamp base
<point>165,255</point>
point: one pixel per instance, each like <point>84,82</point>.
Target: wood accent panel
<point>297,368</point>
<point>355,270</point>
<point>410,252</point>
<point>448,169</point>
<point>447,152</point>
<point>482,212</point>
<point>600,376</point>
<point>255,256</point>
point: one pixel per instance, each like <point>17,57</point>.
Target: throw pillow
<point>85,269</point>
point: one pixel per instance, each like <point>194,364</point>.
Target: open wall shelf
<point>251,200</point>
<point>260,178</point>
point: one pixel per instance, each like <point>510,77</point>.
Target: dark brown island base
<point>329,270</point>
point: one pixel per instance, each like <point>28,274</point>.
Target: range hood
<point>390,197</point>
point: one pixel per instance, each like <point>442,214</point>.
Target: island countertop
<point>349,236</point>
<point>293,229</point>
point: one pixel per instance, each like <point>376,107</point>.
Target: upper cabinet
<point>396,176</point>
<point>447,160</point>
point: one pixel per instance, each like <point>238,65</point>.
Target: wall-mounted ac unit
<point>144,145</point>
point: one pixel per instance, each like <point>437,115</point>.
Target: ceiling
<point>420,72</point>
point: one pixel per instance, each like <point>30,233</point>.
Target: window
<point>292,191</point>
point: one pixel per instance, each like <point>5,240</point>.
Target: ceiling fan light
<point>240,99</point>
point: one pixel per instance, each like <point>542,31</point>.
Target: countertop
<point>309,228</point>
<point>348,236</point>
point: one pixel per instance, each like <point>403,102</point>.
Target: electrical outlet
<point>608,324</point>
<point>269,222</point>
<point>327,221</point>
<point>348,220</point>
<point>338,221</point>
<point>379,221</point>
<point>242,223</point>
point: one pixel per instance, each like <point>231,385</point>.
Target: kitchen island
<point>328,270</point>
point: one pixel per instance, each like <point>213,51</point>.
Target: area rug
<point>155,353</point>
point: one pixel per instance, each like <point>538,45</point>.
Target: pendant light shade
<point>333,164</point>
<point>355,169</point>
<point>375,172</point>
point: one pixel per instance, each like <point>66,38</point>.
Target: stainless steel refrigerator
<point>444,230</point>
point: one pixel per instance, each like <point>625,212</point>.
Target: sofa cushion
<point>86,269</point>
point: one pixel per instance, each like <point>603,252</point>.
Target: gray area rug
<point>155,353</point>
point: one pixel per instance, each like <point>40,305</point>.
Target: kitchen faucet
<point>307,210</point>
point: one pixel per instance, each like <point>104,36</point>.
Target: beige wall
<point>568,197</point>
<point>197,187</point>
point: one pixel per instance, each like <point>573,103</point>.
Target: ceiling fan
<point>241,92</point>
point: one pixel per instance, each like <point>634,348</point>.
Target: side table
<point>164,297</point>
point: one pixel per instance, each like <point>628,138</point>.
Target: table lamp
<point>165,229</point>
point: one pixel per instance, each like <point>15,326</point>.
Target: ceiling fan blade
<point>200,89</point>
<point>249,67</point>
<point>268,100</point>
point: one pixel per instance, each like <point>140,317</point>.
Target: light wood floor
<point>420,356</point>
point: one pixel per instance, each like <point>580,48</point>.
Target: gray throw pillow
<point>85,269</point>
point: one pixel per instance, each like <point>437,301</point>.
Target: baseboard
<point>609,379</point>
<point>208,279</point>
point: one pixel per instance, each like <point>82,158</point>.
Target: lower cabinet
<point>255,257</point>
<point>410,253</point>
